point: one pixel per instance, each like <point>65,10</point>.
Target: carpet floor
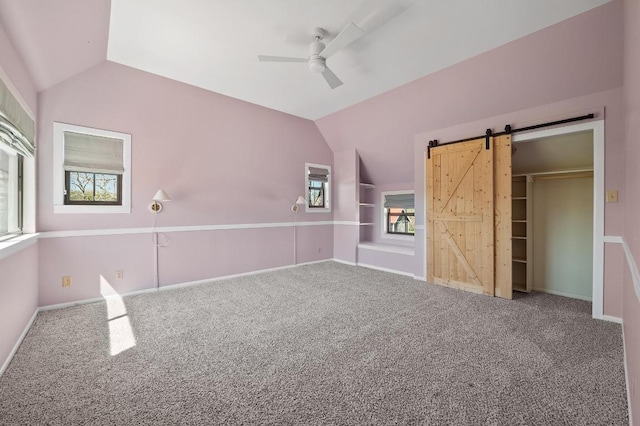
<point>318,344</point>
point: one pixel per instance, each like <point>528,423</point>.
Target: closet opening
<point>558,212</point>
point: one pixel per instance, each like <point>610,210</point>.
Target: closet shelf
<point>518,237</point>
<point>519,220</point>
<point>367,205</point>
<point>519,260</point>
<point>367,185</point>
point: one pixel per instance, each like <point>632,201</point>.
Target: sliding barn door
<point>468,193</point>
<point>502,218</point>
<point>460,216</point>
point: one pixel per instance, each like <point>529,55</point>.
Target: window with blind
<point>17,130</point>
<point>399,213</point>
<point>318,187</point>
<point>93,170</point>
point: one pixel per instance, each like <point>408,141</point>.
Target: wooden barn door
<point>463,241</point>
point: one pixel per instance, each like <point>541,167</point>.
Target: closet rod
<point>508,130</point>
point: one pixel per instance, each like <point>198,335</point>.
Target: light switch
<point>612,196</point>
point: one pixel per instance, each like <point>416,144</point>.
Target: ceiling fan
<point>318,52</point>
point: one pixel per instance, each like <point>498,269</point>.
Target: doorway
<point>573,136</point>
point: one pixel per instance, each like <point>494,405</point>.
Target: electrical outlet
<point>612,196</point>
<point>66,281</point>
<point>119,275</point>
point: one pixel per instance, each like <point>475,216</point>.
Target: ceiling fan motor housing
<point>316,62</point>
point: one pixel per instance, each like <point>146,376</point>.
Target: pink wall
<point>223,162</point>
<point>18,296</point>
<point>18,272</point>
<point>631,310</point>
<point>346,180</point>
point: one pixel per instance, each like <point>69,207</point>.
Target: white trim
<point>14,245</point>
<point>18,342</point>
<point>613,239</point>
<point>611,319</point>
<point>58,174</point>
<point>346,222</point>
<point>379,268</point>
<point>563,294</point>
<point>344,262</point>
<point>597,127</point>
<point>242,274</point>
<point>408,251</point>
<point>631,262</point>
<point>167,229</point>
<point>626,375</point>
<point>633,267</point>
<point>327,196</point>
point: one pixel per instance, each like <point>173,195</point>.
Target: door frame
<point>597,129</point>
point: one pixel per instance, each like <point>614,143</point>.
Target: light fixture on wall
<point>299,202</point>
<point>156,206</point>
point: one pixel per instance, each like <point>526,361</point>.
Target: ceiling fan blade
<point>373,14</point>
<point>266,58</point>
<point>332,80</point>
<point>347,36</point>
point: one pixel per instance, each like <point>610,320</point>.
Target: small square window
<point>398,214</point>
<point>92,170</point>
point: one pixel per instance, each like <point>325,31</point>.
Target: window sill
<point>14,245</point>
<point>90,209</point>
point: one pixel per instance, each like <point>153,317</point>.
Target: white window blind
<point>17,129</point>
<point>318,174</point>
<point>91,153</point>
<point>403,201</point>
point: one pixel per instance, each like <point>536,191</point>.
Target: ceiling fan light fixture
<point>317,65</point>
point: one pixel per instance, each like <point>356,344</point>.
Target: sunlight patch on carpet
<point>121,335</point>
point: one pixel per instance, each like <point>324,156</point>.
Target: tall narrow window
<point>318,179</point>
<point>17,130</point>
<point>91,170</point>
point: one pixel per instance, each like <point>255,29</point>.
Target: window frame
<point>68,201</point>
<point>15,215</point>
<point>60,175</point>
<point>326,208</point>
<point>384,215</point>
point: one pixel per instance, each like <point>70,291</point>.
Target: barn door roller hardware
<point>509,130</point>
<point>432,144</point>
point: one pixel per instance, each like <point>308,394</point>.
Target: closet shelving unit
<point>522,232</point>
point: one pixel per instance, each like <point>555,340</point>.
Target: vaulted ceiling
<point>213,44</point>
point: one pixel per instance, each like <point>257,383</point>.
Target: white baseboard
<point>344,262</point>
<point>626,376</point>
<point>561,293</point>
<point>19,342</point>
<point>611,319</point>
<point>393,271</point>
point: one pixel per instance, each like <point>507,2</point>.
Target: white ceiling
<point>214,44</point>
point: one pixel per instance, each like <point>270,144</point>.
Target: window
<point>92,170</point>
<point>16,143</point>
<point>317,179</point>
<point>398,213</point>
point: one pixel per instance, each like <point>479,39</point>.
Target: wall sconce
<point>156,206</point>
<point>299,202</point>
